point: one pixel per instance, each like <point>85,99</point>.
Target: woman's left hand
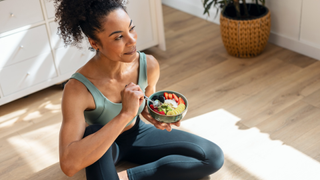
<point>157,124</point>
<point>153,70</point>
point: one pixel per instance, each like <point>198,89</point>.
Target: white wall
<point>193,7</point>
<point>295,24</point>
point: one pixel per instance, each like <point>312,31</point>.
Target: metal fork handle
<point>153,102</point>
<point>147,98</point>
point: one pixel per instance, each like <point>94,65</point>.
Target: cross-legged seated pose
<point>102,102</point>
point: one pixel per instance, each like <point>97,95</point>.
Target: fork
<point>155,103</point>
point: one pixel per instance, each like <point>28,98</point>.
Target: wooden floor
<point>264,112</point>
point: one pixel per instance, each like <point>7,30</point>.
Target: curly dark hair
<point>78,17</point>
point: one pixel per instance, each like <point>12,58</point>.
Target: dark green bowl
<point>167,118</point>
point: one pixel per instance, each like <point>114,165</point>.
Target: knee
<point>92,129</point>
<point>214,157</point>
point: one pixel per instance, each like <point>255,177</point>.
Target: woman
<point>102,101</point>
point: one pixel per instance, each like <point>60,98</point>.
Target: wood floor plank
<point>296,126</point>
<point>276,97</point>
<point>295,58</point>
<point>313,98</point>
<point>244,85</point>
<point>295,112</point>
<point>309,141</point>
<point>311,88</point>
<point>300,126</point>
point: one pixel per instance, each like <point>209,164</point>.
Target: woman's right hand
<point>132,97</point>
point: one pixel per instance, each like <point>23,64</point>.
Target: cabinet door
<point>285,17</point>
<point>24,45</point>
<point>56,41</point>
<point>143,15</point>
<point>18,13</point>
<point>49,8</point>
<point>310,24</point>
<point>70,59</point>
<point>27,73</point>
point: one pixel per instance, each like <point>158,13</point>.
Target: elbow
<point>68,169</point>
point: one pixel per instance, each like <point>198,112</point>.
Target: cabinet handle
<point>11,14</point>
<point>21,46</point>
<point>28,73</point>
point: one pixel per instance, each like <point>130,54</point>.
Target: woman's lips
<point>132,52</point>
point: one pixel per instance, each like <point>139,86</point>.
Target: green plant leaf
<point>221,2</point>
<point>208,8</point>
<point>205,3</point>
<point>217,13</point>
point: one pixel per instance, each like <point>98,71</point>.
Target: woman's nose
<point>132,39</point>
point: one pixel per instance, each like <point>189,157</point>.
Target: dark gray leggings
<point>161,155</point>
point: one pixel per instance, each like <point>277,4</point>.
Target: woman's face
<point>118,40</point>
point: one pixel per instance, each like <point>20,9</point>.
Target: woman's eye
<point>132,28</point>
<point>119,37</point>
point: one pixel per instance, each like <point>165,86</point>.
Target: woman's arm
<point>153,73</point>
<point>77,152</point>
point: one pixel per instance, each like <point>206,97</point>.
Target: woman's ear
<point>93,43</point>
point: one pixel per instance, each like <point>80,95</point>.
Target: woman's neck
<point>104,67</point>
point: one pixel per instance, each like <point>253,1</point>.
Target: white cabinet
<point>295,25</point>
<point>285,17</point>
<point>146,29</point>
<point>32,55</point>
<point>18,13</point>
<point>49,8</point>
<point>310,23</point>
<point>25,74</point>
<point>68,59</point>
<point>24,45</point>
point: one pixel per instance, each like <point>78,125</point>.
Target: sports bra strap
<point>143,77</point>
<point>93,89</point>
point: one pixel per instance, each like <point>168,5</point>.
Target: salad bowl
<point>167,118</point>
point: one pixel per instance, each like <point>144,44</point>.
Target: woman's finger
<point>134,87</point>
<point>176,123</point>
<point>157,124</point>
<point>130,84</point>
<point>137,88</point>
<point>160,127</point>
<point>168,128</point>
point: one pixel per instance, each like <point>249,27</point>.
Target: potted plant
<point>245,27</point>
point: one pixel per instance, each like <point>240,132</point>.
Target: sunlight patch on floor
<point>8,123</point>
<point>33,115</point>
<point>38,154</point>
<point>252,150</point>
<point>53,106</point>
<point>12,115</point>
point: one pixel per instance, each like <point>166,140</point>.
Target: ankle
<point>123,175</point>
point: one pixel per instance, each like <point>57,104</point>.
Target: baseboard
<point>280,40</point>
<point>295,45</point>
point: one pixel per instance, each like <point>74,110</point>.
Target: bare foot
<point>123,175</point>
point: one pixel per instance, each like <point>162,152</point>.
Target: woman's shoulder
<point>152,63</point>
<point>153,70</point>
<point>76,87</point>
<point>75,91</point>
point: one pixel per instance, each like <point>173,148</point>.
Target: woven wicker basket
<point>245,38</point>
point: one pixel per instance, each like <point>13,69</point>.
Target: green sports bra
<point>106,110</point>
